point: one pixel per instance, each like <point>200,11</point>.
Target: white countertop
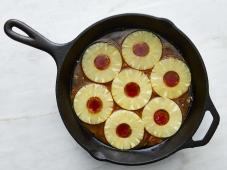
<point>32,135</point>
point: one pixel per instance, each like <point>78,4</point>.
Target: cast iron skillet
<point>67,55</point>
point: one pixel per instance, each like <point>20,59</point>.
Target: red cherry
<point>123,130</point>
<point>102,62</point>
<point>161,117</point>
<point>94,104</point>
<point>132,89</point>
<point>140,49</point>
<point>171,78</point>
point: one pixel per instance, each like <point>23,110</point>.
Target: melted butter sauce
<point>116,38</point>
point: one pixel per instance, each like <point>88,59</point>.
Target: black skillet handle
<point>216,118</point>
<point>35,39</point>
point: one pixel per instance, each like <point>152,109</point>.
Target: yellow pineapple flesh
<point>131,89</point>
<point>93,103</point>
<point>124,129</point>
<point>162,117</point>
<point>141,50</point>
<point>170,78</point>
<point>101,62</point>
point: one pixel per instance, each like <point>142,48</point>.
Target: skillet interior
<point>199,86</point>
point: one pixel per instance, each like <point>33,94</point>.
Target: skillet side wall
<point>199,85</point>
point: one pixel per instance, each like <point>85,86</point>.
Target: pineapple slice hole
<point>94,104</point>
<point>161,117</point>
<point>123,130</point>
<point>132,89</point>
<point>171,78</point>
<point>141,49</point>
<point>102,62</point>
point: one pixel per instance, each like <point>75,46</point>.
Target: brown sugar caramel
<point>116,38</point>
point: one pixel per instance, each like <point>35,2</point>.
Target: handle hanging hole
<point>204,127</point>
<point>19,31</point>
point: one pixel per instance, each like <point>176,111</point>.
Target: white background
<point>32,135</point>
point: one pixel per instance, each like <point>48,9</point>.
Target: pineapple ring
<point>174,121</point>
<point>169,65</point>
<point>81,102</point>
<point>146,41</point>
<point>127,77</point>
<point>124,117</point>
<point>110,62</point>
